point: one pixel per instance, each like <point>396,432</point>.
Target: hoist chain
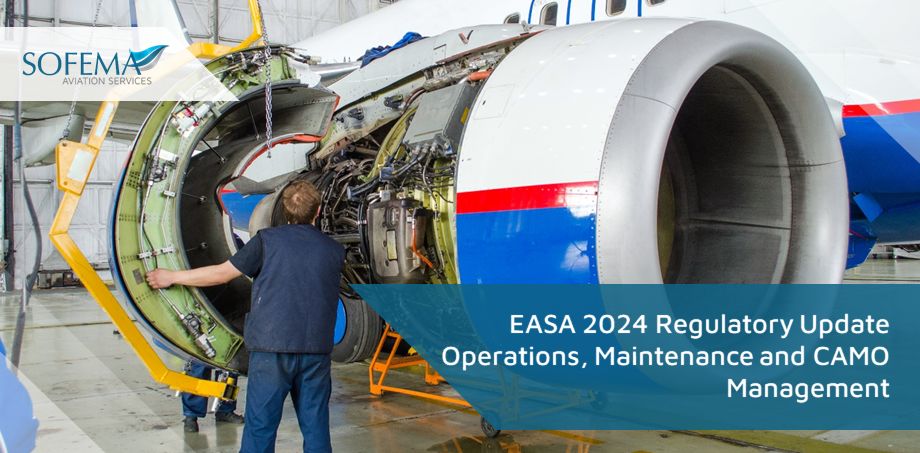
<point>76,93</point>
<point>268,80</point>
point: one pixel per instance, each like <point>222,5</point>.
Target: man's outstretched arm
<point>217,274</point>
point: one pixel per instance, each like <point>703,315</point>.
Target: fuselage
<point>865,61</point>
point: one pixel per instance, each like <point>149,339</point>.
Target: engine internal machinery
<point>388,193</point>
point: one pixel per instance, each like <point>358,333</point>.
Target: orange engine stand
<point>383,366</point>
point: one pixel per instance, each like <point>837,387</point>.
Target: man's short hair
<point>300,202</point>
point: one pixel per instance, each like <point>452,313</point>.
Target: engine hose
<point>412,163</point>
<point>29,279</point>
<point>477,76</point>
<point>365,188</point>
<point>412,97</point>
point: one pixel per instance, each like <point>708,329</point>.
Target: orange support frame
<point>383,366</point>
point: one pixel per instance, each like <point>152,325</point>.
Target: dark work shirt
<point>295,289</point>
<point>249,259</point>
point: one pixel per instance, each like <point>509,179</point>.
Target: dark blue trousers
<point>197,406</point>
<point>271,377</point>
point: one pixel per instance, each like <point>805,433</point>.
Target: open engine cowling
<point>168,211</point>
<point>633,151</point>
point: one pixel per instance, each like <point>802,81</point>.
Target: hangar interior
<point>90,392</point>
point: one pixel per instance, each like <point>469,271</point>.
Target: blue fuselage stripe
<point>550,245</point>
<point>882,153</point>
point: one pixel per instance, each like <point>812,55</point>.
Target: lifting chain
<point>268,81</point>
<point>76,93</point>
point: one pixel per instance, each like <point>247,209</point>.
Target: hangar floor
<point>91,394</point>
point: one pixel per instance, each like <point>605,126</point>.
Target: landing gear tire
<point>487,428</point>
<point>363,328</point>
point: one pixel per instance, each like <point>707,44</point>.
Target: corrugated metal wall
<point>288,21</point>
<point>90,224</point>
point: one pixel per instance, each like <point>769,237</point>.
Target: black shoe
<point>230,417</point>
<point>191,424</point>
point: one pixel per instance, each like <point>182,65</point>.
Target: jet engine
<point>633,151</point>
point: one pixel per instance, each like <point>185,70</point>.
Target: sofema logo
<point>147,58</point>
<point>92,68</point>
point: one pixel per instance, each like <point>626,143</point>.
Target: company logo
<point>58,64</point>
<point>148,57</point>
<point>92,67</point>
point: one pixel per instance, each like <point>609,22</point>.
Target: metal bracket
<point>158,252</point>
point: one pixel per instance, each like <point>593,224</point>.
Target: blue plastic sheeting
<point>815,357</point>
<point>380,51</point>
<point>17,425</point>
<point>869,206</point>
<point>240,207</point>
<point>341,323</point>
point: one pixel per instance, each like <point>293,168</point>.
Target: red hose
<point>477,76</point>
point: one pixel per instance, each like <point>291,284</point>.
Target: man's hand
<point>202,277</point>
<point>160,278</point>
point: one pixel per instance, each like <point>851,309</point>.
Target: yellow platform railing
<point>75,162</point>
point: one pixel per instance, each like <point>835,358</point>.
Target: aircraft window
<point>513,19</point>
<point>548,17</point>
<point>656,2</point>
<point>615,7</point>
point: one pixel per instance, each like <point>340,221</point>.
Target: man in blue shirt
<point>289,330</point>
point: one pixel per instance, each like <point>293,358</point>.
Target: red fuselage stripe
<point>882,109</point>
<point>563,195</point>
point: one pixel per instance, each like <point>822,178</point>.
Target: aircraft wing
<point>44,123</point>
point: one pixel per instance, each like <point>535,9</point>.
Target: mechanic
<point>289,330</point>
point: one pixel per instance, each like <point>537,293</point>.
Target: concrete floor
<point>92,394</point>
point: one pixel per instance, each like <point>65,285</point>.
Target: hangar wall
<point>287,21</point>
<point>90,225</point>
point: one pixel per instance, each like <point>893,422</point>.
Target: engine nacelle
<point>649,151</point>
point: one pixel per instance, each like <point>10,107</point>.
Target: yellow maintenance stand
<point>75,162</point>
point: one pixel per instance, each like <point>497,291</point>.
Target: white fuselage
<point>859,53</point>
